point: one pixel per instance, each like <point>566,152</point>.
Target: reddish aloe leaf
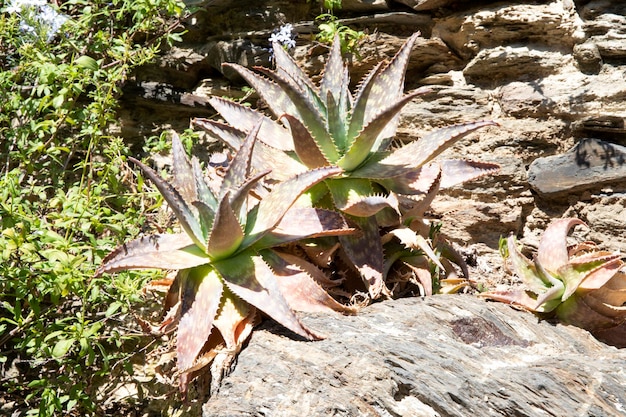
<point>263,158</point>
<point>288,68</point>
<point>274,206</point>
<point>516,297</point>
<point>421,269</point>
<point>226,235</point>
<point>456,171</point>
<point>239,168</point>
<point>416,181</point>
<point>226,133</point>
<point>245,118</point>
<point>201,290</point>
<point>365,252</point>
<point>552,253</point>
<point>428,147</point>
<point>370,205</point>
<point>176,202</point>
<point>305,146</point>
<point>251,279</point>
<point>365,141</point>
<point>299,288</point>
<point>182,171</point>
<point>305,222</point>
<point>308,112</point>
<point>277,100</point>
<point>168,251</point>
<point>235,315</point>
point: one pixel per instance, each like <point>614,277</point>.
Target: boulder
<point>453,355</point>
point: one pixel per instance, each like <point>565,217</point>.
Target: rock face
<point>551,73</point>
<point>442,356</point>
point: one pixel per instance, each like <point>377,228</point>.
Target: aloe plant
<point>227,269</point>
<point>324,125</point>
<point>578,284</point>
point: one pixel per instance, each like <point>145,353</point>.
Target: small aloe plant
<point>227,269</point>
<point>578,284</point>
<point>325,125</point>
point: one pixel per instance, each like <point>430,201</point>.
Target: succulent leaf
<point>205,195</point>
<point>277,100</point>
<point>423,150</point>
<point>414,241</point>
<point>201,290</point>
<point>249,277</point>
<point>382,85</point>
<point>456,171</point>
<point>552,253</point>
<point>274,206</point>
<point>332,77</point>
<point>305,145</point>
<point>177,203</point>
<point>414,182</point>
<point>245,118</point>
<point>226,235</point>
<point>183,178</point>
<point>366,140</point>
<point>263,158</point>
<point>305,222</point>
<point>235,320</point>
<point>239,168</point>
<point>365,252</point>
<point>309,113</point>
<point>167,251</point>
<point>299,288</point>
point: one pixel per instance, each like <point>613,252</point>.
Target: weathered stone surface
<point>510,63</point>
<point>588,57</point>
<point>441,356</point>
<point>364,5</point>
<point>554,24</point>
<point>590,164</point>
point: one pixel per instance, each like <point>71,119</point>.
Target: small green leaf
<point>87,62</point>
<point>62,347</point>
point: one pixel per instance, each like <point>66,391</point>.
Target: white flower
<point>284,36</point>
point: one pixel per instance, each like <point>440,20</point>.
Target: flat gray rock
<point>454,355</point>
<point>589,164</point>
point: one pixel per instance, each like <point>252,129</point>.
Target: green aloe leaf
<point>416,153</point>
<point>347,191</point>
<point>205,195</point>
<point>287,67</point>
<point>201,290</point>
<point>226,235</point>
<point>363,144</point>
<point>251,279</point>
<point>382,85</point>
<point>418,181</point>
<point>245,118</point>
<point>167,251</point>
<point>177,203</point>
<point>594,272</point>
<point>332,78</point>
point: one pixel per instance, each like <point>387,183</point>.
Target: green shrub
<point>64,199</point>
